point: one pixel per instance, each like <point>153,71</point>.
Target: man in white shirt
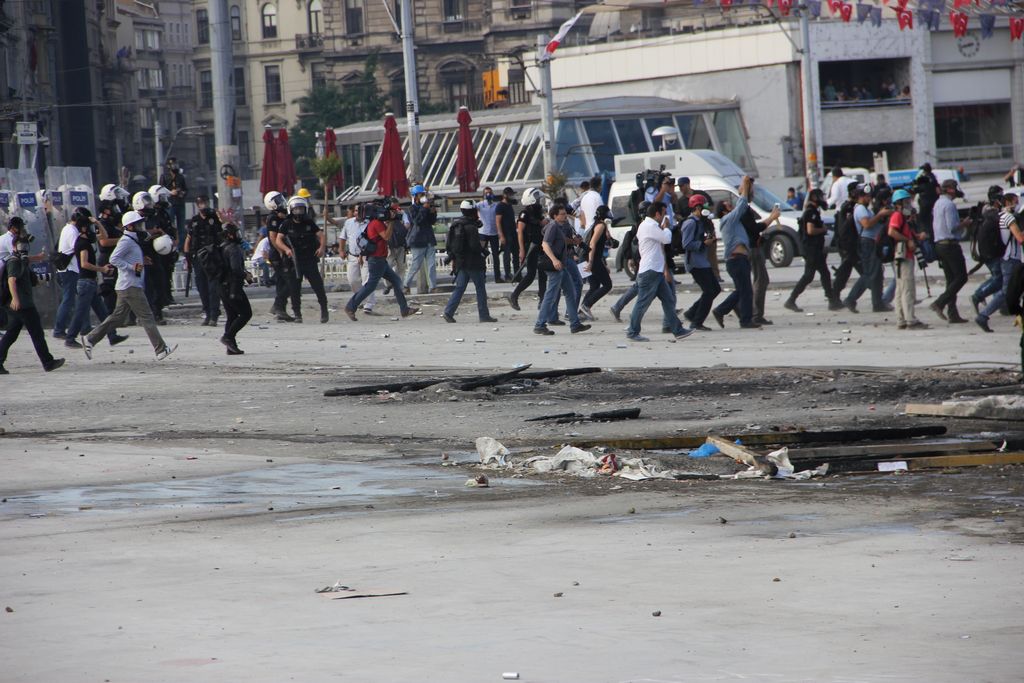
<point>67,277</point>
<point>653,276</point>
<point>1012,235</point>
<point>261,257</point>
<point>590,199</point>
<point>838,193</point>
<point>348,246</point>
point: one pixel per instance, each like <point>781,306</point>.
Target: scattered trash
<point>192,457</point>
<point>336,588</point>
<point>479,482</point>
<point>776,580</point>
<point>491,451</point>
<point>706,450</point>
<point>8,609</point>
<point>656,613</point>
<point>723,520</point>
<point>895,466</point>
<point>557,595</point>
<point>792,534</point>
<point>510,676</point>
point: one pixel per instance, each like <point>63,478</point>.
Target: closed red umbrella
<point>391,180</point>
<point>331,147</point>
<point>465,162</point>
<point>268,173</point>
<point>286,177</point>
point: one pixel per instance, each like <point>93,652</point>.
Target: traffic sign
<point>26,132</point>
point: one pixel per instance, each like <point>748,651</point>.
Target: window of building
<point>156,79</point>
<point>210,151</point>
<point>454,10</point>
<point>269,14</point>
<point>605,145</point>
<point>316,13</point>
<point>517,87</point>
<point>179,120</point>
<point>353,17</point>
<point>693,131</point>
<point>631,136</point>
<point>457,80</point>
<point>654,123</point>
<point>244,157</point>
<point>398,92</point>
<point>202,27</point>
<point>140,79</point>
<point>153,40</point>
<point>731,139</point>
<point>236,23</point>
<point>973,125</point>
<point>239,80</point>
<point>272,78</point>
<point>205,89</point>
<point>318,75</point>
<point>140,40</point>
<point>145,117</point>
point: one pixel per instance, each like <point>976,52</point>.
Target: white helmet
<point>160,193</point>
<point>131,217</point>
<point>163,245</point>
<point>533,196</point>
<point>298,202</point>
<point>108,193</point>
<point>274,201</point>
<point>141,200</point>
<point>466,204</point>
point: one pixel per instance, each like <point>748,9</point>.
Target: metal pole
<point>547,107</point>
<point>222,64</point>
<point>26,156</point>
<point>412,100</point>
<point>158,147</point>
<point>810,123</point>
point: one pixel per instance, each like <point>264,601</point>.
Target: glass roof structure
<point>509,142</point>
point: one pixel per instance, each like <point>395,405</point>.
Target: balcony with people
<point>866,100</point>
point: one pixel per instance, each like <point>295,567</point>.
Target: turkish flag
<point>785,6</point>
<point>726,3</point>
<point>1016,28</point>
<point>833,6</point>
<point>905,19</point>
<point>902,4</point>
<point>959,22</point>
<point>845,11</point>
<point>960,3</point>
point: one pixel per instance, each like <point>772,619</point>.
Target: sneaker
<point>206,322</point>
<point>791,305</point>
<point>955,319</point>
<point>232,345</point>
<point>60,335</point>
<point>556,323</point>
<point>87,347</point>
<point>447,318</point>
<point>851,305</point>
<point>3,370</point>
<point>586,311</point>
<point>982,323</point>
<point>513,301</point>
<point>114,341</point>
<point>53,364</point>
<point>918,325</point>
<point>687,317</point>
<point>637,338</point>
<point>575,329</point>
<point>410,311</point>
<point>236,352</point>
<point>488,319</point>
<point>324,316</point>
<point>297,318</point>
<point>543,330</point>
<point>368,311</point>
<point>71,343</point>
<point>886,308</point>
<point>615,314</point>
<point>351,314</point>
<point>719,318</point>
<point>283,317</point>
<point>901,326</point>
<point>166,351</point>
<point>387,290</point>
<point>835,305</point>
<point>684,333</point>
<point>702,328</point>
<point>763,321</point>
<point>937,310</point>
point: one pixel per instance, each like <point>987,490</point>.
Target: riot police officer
<point>204,231</point>
<point>142,202</point>
<point>164,214</point>
<point>286,285</point>
<point>302,240</point>
<point>112,206</point>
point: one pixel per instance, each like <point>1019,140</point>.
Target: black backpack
<point>988,240</point>
<point>846,228</point>
<point>456,242</point>
<point>211,260</point>
<point>885,246</point>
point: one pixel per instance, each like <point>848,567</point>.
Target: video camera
<point>650,178</point>
<point>378,209</point>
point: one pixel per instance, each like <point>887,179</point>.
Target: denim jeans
<point>462,280</point>
<point>870,277</point>
<point>422,257</point>
<point>87,299</point>
<point>1008,267</point>
<point>559,282</point>
<point>379,269</point>
<point>994,283</point>
<point>650,284</point>
<point>741,299</point>
<point>68,281</point>
<point>493,244</point>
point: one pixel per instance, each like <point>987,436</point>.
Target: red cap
<point>697,200</point>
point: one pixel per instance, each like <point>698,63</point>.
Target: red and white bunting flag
<point>845,11</point>
<point>563,31</point>
<point>785,6</point>
<point>902,4</point>
<point>959,22</point>
<point>1016,28</point>
<point>905,18</point>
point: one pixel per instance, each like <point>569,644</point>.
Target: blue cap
<point>899,195</point>
<point>418,189</point>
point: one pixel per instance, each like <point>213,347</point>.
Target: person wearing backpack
<point>467,253</point>
<point>66,265</point>
<point>232,281</point>
<point>987,247</point>
<point>1012,234</point>
<point>374,246</point>
<point>596,240</point>
<point>698,242</point>
<point>204,230</point>
<point>16,298</point>
<point>902,230</point>
<point>847,242</point>
<point>812,234</point>
<point>127,257</point>
<point>869,226</point>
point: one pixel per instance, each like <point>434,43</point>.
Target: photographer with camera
<point>869,226</point>
<point>946,230</point>
<point>904,233</point>
<point>698,242</point>
<point>812,237</point>
<point>378,232</point>
<point>16,298</point>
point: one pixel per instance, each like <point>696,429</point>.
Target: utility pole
<point>412,100</point>
<point>222,65</point>
<point>547,107</point>
<point>26,152</point>
<point>810,123</point>
<point>158,146</point>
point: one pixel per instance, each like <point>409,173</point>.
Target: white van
<point>708,172</point>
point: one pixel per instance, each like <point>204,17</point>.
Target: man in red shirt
<point>902,230</point>
<point>376,253</point>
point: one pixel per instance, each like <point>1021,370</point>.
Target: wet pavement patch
<point>284,488</point>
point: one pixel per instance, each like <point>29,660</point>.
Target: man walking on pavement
<point>422,241</point>
<point>67,273</point>
<point>379,232</point>
<point>285,285</point>
<point>128,259</point>
<point>348,246</point>
<point>506,220</point>
<point>468,253</point>
<point>654,279</point>
<point>556,247</point>
<point>16,298</point>
<point>869,226</point>
<point>812,237</point>
<point>946,230</point>
<point>302,240</point>
<point>204,231</point>
<point>491,238</point>
<point>1012,235</point>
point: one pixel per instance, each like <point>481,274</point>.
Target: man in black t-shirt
<point>506,219</point>
<point>21,308</point>
<point>305,238</point>
<point>281,260</point>
<point>812,237</point>
<point>204,230</point>
<point>529,235</point>
<point>89,298</point>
